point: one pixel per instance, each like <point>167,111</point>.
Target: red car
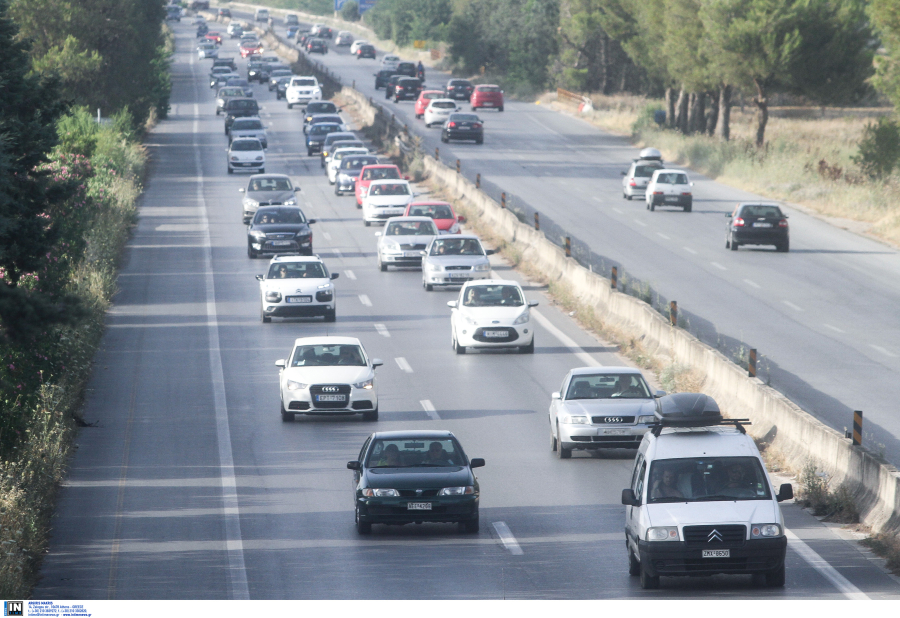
<point>215,37</point>
<point>487,95</point>
<point>424,97</point>
<point>445,219</point>
<point>374,172</point>
<point>250,49</point>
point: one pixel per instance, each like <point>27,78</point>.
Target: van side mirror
<point>335,276</point>
<point>533,303</point>
<point>629,499</point>
<point>259,277</point>
<point>353,465</point>
<point>377,362</point>
<point>785,492</point>
<point>478,462</point>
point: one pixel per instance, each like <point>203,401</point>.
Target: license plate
<point>671,199</point>
<point>299,299</point>
<point>494,333</point>
<point>412,254</point>
<point>418,506</point>
<point>331,397</point>
<point>458,275</point>
<point>758,224</point>
<point>488,105</point>
<point>280,243</point>
<point>613,432</point>
<point>717,553</point>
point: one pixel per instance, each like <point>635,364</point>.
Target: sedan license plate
<point>298,299</point>
<point>613,432</point>
<point>494,333</point>
<point>418,506</point>
<point>717,553</point>
<point>331,397</point>
<point>759,224</point>
<point>459,275</point>
<point>412,254</point>
<point>280,243</point>
<point>671,198</point>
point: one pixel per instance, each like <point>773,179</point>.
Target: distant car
<point>491,314</point>
<point>316,46</point>
<point>249,127</point>
<point>279,229</point>
<point>487,95</point>
<point>225,61</point>
<point>669,188</point>
<point>215,37</point>
<point>404,477</point>
<point>239,82</point>
<point>355,45</point>
<point>446,220</point>
<point>371,173</point>
<point>461,126</point>
<point>222,12</point>
<point>438,111</point>
<point>262,15</point>
<point>404,241</point>
<point>226,93</point>
<point>634,181</point>
<point>328,144</point>
<point>348,173</point>
<point>221,78</point>
<point>365,51</point>
<point>392,84</point>
<point>280,85</point>
<point>339,153</point>
<point>454,260</point>
<point>385,199</point>
<point>316,134</point>
<point>390,62</point>
<point>382,77</point>
<point>343,39</point>
<point>292,32</point>
<point>203,30</point>
<point>277,74</point>
<point>321,31</point>
<point>425,97</point>
<point>328,376</point>
<point>239,108</point>
<point>407,68</point>
<point>601,408</point>
<point>251,48</point>
<point>199,5</point>
<point>291,20</point>
<point>267,190</point>
<point>234,30</point>
<point>314,108</point>
<point>173,13</point>
<point>459,89</point>
<point>324,118</point>
<point>302,90</point>
<point>407,89</point>
<point>757,224</point>
<point>206,50</point>
<point>246,155</point>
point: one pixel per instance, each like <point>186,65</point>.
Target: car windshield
<point>285,216</point>
<point>381,173</point>
<point>761,211</point>
<point>322,129</point>
<point>456,246</point>
<point>246,144</point>
<point>297,270</point>
<point>493,296</point>
<point>459,83</point>
<point>393,188</point>
<point>247,125</point>
<point>328,356</point>
<point>435,211</point>
<point>281,73</point>
<point>707,479</point>
<point>443,104</point>
<point>672,179</point>
<point>242,105</point>
<point>323,107</point>
<point>270,184</point>
<point>237,81</point>
<point>326,118</point>
<point>346,153</point>
<point>608,386</point>
<point>409,82</point>
<point>415,453</point>
<point>357,163</point>
<point>231,92</point>
<point>645,171</point>
<point>431,95</point>
<point>411,228</point>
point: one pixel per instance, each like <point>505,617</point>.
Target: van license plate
<point>717,553</point>
<point>671,199</point>
<point>418,506</point>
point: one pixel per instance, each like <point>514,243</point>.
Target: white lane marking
<point>826,570</point>
<point>403,364</point>
<point>326,236</point>
<point>365,300</point>
<point>507,538</point>
<point>618,210</point>
<point>337,253</point>
<point>661,235</point>
<point>834,328</point>
<point>641,223</point>
<point>752,284</point>
<point>350,275</point>
<point>234,545</point>
<point>382,330</point>
<point>719,266</point>
<point>884,351</point>
<point>689,250</point>
<point>567,341</point>
<point>429,409</point>
<point>792,305</point>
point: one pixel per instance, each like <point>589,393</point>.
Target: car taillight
<point>476,125</point>
<point>783,223</point>
<point>632,183</point>
<point>658,193</point>
<point>452,124</point>
<point>738,222</point>
<point>686,193</point>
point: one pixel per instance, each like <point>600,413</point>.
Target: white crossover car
<point>246,155</point>
<point>454,261</point>
<point>491,314</point>
<point>385,199</point>
<point>328,376</point>
<point>302,90</point>
<point>334,161</point>
<point>390,62</point>
<point>355,45</point>
<point>438,111</point>
<point>404,241</point>
<point>297,286</point>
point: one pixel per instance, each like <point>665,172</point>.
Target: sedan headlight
<point>523,319</point>
<point>389,246</point>
<point>435,268</point>
<point>759,531</point>
<point>291,202</point>
<point>295,386</point>
<point>568,419</point>
<point>663,533</point>
<point>380,492</point>
<point>367,384</point>
<point>256,234</point>
<point>273,297</point>
<point>646,419</point>
<point>457,491</point>
<point>482,267</point>
<point>251,203</point>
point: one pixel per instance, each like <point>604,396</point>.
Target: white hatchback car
<point>297,286</point>
<point>454,260</point>
<point>328,376</point>
<point>438,111</point>
<point>385,199</point>
<point>334,161</point>
<point>302,90</point>
<point>390,62</point>
<point>669,188</point>
<point>354,47</point>
<point>404,241</point>
<point>491,314</point>
<point>246,155</point>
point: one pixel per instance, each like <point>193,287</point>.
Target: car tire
<point>336,191</point>
<point>370,416</point>
<point>634,567</point>
<point>362,527</point>
<point>218,112</point>
<point>331,316</point>
<point>688,208</point>
<point>648,582</point>
<point>367,223</point>
<point>528,349</point>
<point>727,243</point>
<point>459,349</point>
<point>309,153</point>
<point>429,287</point>
<point>331,182</point>
<point>652,206</point>
<point>290,106</point>
<point>251,252</point>
<point>382,266</point>
<point>553,442</point>
<point>470,527</point>
<point>775,578</point>
<point>479,141</point>
<point>734,244</point>
<point>444,138</point>
<point>263,317</point>
<point>500,109</point>
<point>562,453</point>
<point>286,417</point>
<point>783,247</point>
<point>230,171</point>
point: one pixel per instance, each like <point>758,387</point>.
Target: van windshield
<point>707,479</point>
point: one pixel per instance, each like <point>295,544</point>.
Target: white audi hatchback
<point>491,314</point>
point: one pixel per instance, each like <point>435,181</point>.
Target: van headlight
<point>523,319</point>
<point>765,531</point>
<point>567,419</point>
<point>663,533</point>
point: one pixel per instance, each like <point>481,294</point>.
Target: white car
<point>491,314</point>
<point>385,199</point>
<point>328,376</point>
<point>404,241</point>
<point>246,155</point>
<point>454,260</point>
<point>302,90</point>
<point>669,187</point>
<point>390,62</point>
<point>354,47</point>
<point>438,111</point>
<point>249,126</point>
<point>297,286</point>
<point>207,50</point>
<point>334,162</point>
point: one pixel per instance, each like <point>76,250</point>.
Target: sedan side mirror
<point>335,276</point>
<point>406,178</point>
<point>377,362</point>
<point>659,394</point>
<point>259,277</point>
<point>377,234</point>
<point>533,303</point>
<point>624,173</point>
<point>478,462</point>
<point>353,465</point>
<point>310,221</point>
<point>555,396</point>
<point>785,492</point>
<point>280,363</point>
<point>296,189</point>
<point>727,214</point>
<point>241,190</point>
<point>629,499</point>
<point>452,304</point>
<point>490,252</point>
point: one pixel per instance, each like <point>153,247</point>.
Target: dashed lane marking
<point>403,364</point>
<point>752,284</point>
<point>791,305</point>
<point>429,409</point>
<point>506,538</point>
<point>884,351</point>
<point>661,235</point>
<point>641,223</point>
<point>350,275</point>
<point>365,300</point>
<point>834,328</point>
<point>382,330</point>
<point>719,266</point>
<point>689,250</point>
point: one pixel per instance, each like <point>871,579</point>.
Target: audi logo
<point>612,419</point>
<point>330,389</point>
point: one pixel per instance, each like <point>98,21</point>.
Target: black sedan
<point>407,89</point>
<point>318,107</point>
<point>757,224</point>
<point>365,51</point>
<point>407,68</point>
<point>463,126</point>
<point>459,89</point>
<point>279,229</point>
<point>382,77</point>
<point>316,134</point>
<point>405,477</point>
<point>392,84</point>
<point>316,46</point>
<point>348,172</point>
<point>281,84</point>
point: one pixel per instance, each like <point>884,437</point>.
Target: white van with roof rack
<point>700,501</point>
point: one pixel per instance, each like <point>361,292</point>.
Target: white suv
<point>297,286</point>
<point>302,90</point>
<point>328,376</point>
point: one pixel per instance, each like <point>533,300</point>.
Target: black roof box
<point>688,410</point>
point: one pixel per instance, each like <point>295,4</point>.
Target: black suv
<point>365,51</point>
<point>318,107</point>
<point>459,89</point>
<point>382,77</point>
<point>407,68</point>
<point>757,224</point>
<point>239,108</point>
<point>407,88</point>
<point>391,84</point>
<point>316,46</point>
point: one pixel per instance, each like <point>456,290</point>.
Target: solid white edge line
<point>429,409</point>
<point>826,570</point>
<point>567,341</point>
<point>507,538</point>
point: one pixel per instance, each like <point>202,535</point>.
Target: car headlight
<point>390,246</point>
<point>457,491</point>
<point>482,267</point>
<point>251,203</point>
<point>273,297</point>
<point>758,531</point>
<point>291,202</point>
<point>435,268</point>
<point>258,235</point>
<point>380,492</point>
<point>568,419</point>
<point>522,319</point>
<point>366,384</point>
<point>662,533</point>
<point>295,386</point>
<point>646,419</point>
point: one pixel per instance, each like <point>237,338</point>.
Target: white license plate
<point>412,254</point>
<point>281,243</point>
<point>717,553</point>
<point>671,199</point>
<point>331,397</point>
<point>488,105</point>
<point>613,432</point>
<point>458,275</point>
<point>299,299</point>
<point>494,333</point>
<point>758,224</point>
<point>418,506</point>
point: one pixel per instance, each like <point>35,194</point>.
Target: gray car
<point>267,190</point>
<point>251,126</point>
<point>404,241</point>
<point>634,181</point>
<point>454,260</point>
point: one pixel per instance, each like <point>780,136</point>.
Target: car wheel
<point>459,349</point>
<point>652,206</point>
<point>528,349</point>
<point>309,153</point>
<point>331,316</point>
<point>471,526</point>
<point>727,243</point>
<point>648,582</point>
<point>286,417</point>
<point>331,182</point>
<point>362,527</point>
<point>429,287</point>
<point>562,453</point>
<point>775,578</point>
<point>290,106</point>
<point>367,223</point>
<point>783,247</point>
<point>265,318</point>
<point>218,112</point>
<point>734,244</point>
<point>634,567</point>
<point>230,171</point>
<point>500,109</point>
<point>336,190</point>
<point>553,443</point>
<point>251,252</point>
<point>370,416</point>
<point>479,141</point>
<point>688,208</point>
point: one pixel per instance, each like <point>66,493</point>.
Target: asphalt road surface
<point>190,486</point>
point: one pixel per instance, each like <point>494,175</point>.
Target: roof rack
<point>691,410</point>
<point>737,423</point>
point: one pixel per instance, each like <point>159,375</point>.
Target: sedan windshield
<point>435,211</point>
<point>463,118</point>
<point>270,184</point>
<point>246,144</point>
<point>357,163</point>
<point>645,171</point>
<point>297,270</point>
<point>707,479</point>
<point>493,296</point>
<point>608,386</point>
<point>231,92</point>
<point>327,356</point>
<point>443,104</point>
<point>324,107</point>
<point>761,211</point>
<point>323,129</point>
<point>411,228</point>
<point>390,189</point>
<point>456,246</point>
<point>414,453</point>
<point>284,216</point>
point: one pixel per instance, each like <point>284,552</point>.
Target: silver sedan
<point>453,261</point>
<point>404,241</point>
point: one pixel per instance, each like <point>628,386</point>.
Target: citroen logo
<point>715,535</point>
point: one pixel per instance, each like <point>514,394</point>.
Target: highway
<point>189,485</point>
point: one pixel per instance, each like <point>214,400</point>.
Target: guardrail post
<point>477,181</point>
<point>673,312</point>
<point>614,278</point>
<point>437,154</point>
<point>457,166</point>
<point>537,221</point>
<point>751,363</point>
<point>857,427</point>
<point>503,200</point>
<point>354,84</point>
<point>568,247</point>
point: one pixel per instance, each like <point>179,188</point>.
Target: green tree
<point>591,60</point>
<point>885,16</point>
<point>350,11</point>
